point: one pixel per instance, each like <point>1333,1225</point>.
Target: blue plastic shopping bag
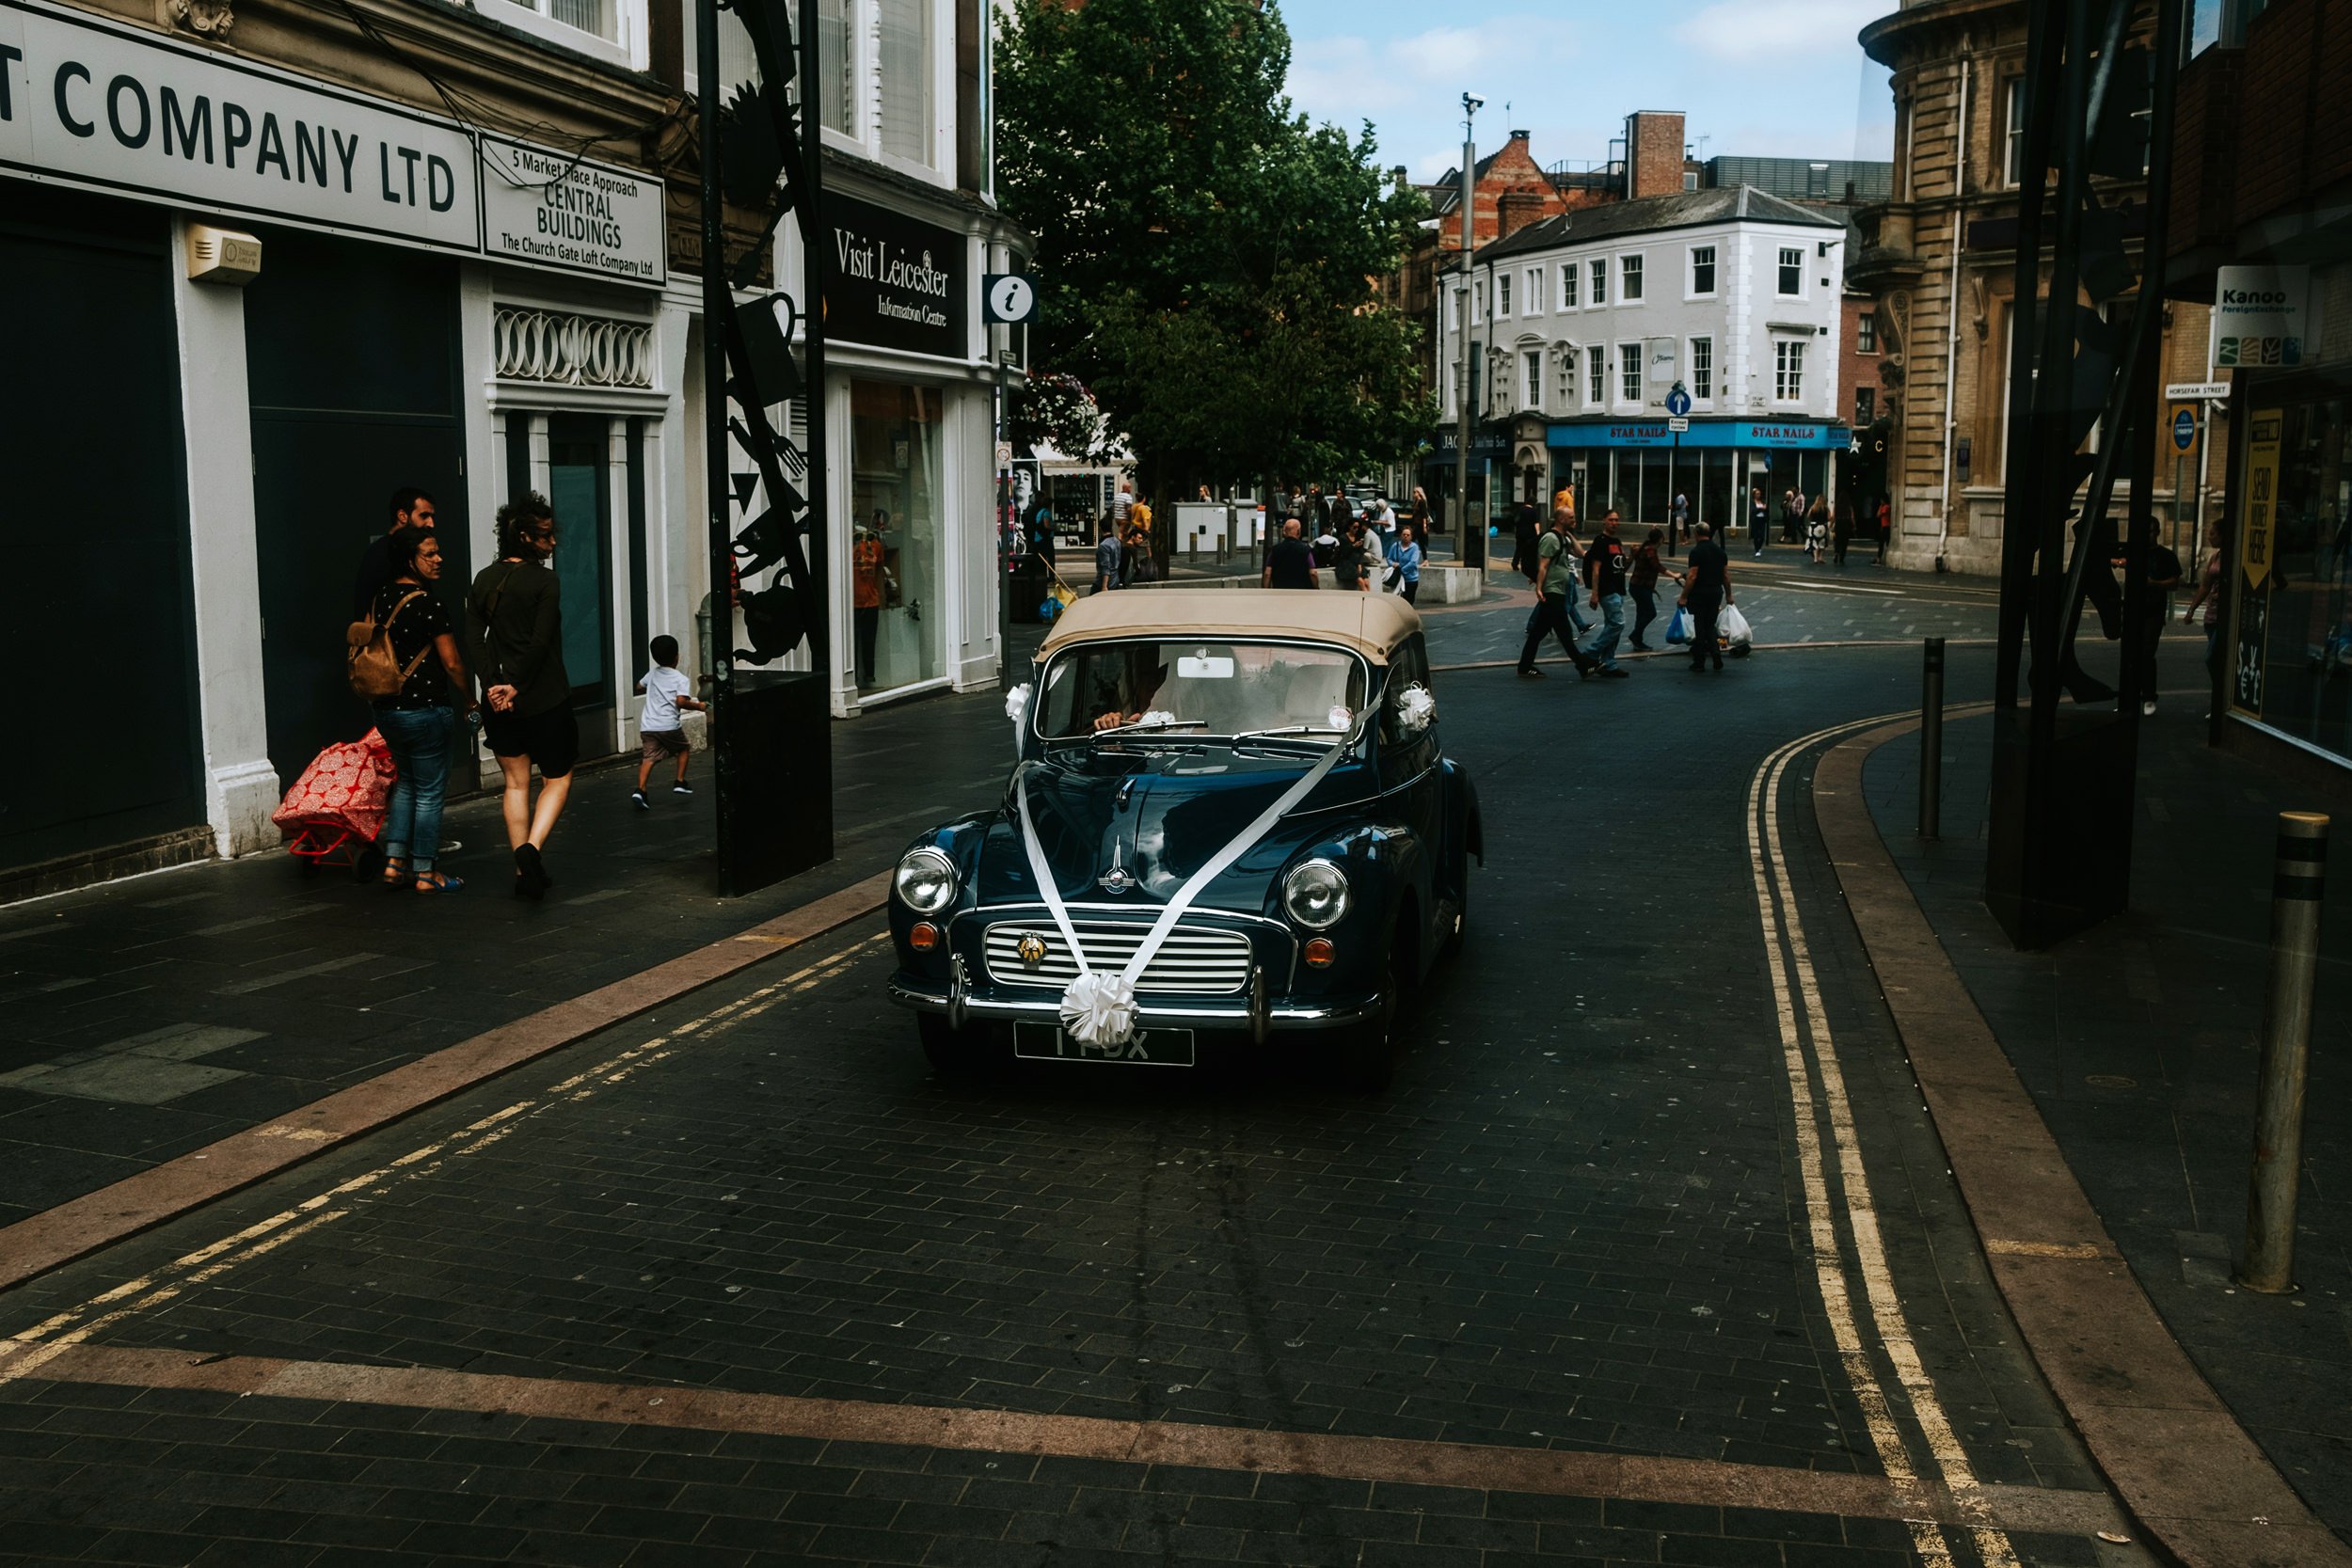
<point>1678,628</point>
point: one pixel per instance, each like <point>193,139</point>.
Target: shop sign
<point>1704,433</point>
<point>98,105</point>
<point>2257,537</point>
<point>2260,317</point>
<point>550,210</point>
<point>897,282</point>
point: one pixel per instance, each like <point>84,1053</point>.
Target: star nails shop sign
<point>897,282</point>
<point>91,103</point>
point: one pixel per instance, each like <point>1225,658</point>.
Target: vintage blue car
<point>1231,815</point>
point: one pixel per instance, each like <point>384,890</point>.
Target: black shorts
<point>552,739</point>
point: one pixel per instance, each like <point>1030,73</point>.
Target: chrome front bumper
<point>1254,1013</point>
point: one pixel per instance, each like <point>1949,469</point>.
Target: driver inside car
<point>1145,676</point>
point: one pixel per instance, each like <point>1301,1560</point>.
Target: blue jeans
<point>1604,648</point>
<point>419,740</point>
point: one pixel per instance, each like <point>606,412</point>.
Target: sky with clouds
<point>1765,78</point>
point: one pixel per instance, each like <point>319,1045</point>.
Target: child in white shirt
<point>660,731</point>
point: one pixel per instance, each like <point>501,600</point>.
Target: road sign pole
<point>1673,475</point>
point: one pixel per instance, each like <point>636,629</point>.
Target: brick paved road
<point>1572,1268</point>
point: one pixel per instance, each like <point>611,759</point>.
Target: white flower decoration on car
<point>1100,1009</point>
<point>1415,709</point>
<point>1017,704</point>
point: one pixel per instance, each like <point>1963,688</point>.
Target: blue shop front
<point>1640,466</point>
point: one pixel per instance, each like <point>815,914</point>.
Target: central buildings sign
<point>93,104</point>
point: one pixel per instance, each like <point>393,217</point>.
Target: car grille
<point>1197,960</point>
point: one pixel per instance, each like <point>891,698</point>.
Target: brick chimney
<point>1516,210</point>
<point>1653,153</point>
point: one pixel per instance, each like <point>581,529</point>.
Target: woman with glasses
<point>515,642</point>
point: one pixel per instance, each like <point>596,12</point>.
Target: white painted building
<point>1588,320</point>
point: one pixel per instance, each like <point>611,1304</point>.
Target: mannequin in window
<point>865,583</point>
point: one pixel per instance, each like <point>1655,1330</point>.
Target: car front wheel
<point>1363,1056</point>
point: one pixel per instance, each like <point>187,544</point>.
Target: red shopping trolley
<point>334,811</point>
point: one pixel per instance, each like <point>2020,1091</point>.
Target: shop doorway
<point>90,439</point>
<point>898,604</point>
<point>351,354</point>
<point>579,487</point>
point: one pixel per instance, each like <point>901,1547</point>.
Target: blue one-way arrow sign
<point>1678,402</point>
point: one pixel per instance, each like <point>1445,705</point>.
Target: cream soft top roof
<point>1371,623</point>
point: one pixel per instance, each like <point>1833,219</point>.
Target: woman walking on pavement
<point>1643,581</point>
<point>515,635</point>
<point>1817,530</point>
<point>415,721</point>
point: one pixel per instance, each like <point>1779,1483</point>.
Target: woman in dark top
<point>415,721</point>
<point>514,636</point>
<point>1643,581</point>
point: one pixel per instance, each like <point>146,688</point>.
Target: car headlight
<point>926,881</point>
<point>1316,894</point>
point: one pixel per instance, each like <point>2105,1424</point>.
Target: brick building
<point>1936,259</point>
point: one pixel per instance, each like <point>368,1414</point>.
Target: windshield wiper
<point>1145,728</point>
<point>1289,730</point>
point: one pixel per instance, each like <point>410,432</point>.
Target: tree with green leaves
<point>1206,258</point>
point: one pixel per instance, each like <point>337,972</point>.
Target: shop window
<point>579,489</point>
<point>899,613</point>
<point>2292,562</point>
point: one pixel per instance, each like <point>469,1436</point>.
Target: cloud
<point>1769,29</point>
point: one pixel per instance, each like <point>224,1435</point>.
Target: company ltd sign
<point>91,103</point>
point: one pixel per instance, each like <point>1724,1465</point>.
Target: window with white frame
<point>1702,368</point>
<point>1630,278</point>
<point>1702,269</point>
<point>835,99</point>
<point>1502,293</point>
<point>1567,285</point>
<point>2013,137</point>
<point>613,30</point>
<point>1787,370</point>
<point>1533,304</point>
<point>1478,299</point>
<point>1866,332</point>
<point>1532,374</point>
<point>1791,270</point>
<point>1630,373</point>
<point>904,30</point>
<point>1595,376</point>
<point>1599,272</point>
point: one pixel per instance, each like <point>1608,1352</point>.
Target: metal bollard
<point>2300,882</point>
<point>1931,742</point>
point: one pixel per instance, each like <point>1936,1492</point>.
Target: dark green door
<point>91,444</point>
<point>352,355</point>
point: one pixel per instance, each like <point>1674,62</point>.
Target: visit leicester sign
<point>95,104</point>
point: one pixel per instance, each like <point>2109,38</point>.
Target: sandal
<point>395,870</point>
<point>439,881</point>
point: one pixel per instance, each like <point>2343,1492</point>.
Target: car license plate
<point>1051,1042</point>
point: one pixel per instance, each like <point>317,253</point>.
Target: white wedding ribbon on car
<point>1099,1009</point>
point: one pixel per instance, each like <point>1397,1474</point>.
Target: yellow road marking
<point>1776,908</point>
<point>23,1353</point>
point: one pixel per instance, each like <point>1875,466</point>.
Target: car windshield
<point>1197,688</point>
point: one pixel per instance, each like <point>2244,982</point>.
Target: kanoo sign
<point>95,104</point>
<point>896,282</point>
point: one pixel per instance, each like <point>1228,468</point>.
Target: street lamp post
<point>1474,544</point>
